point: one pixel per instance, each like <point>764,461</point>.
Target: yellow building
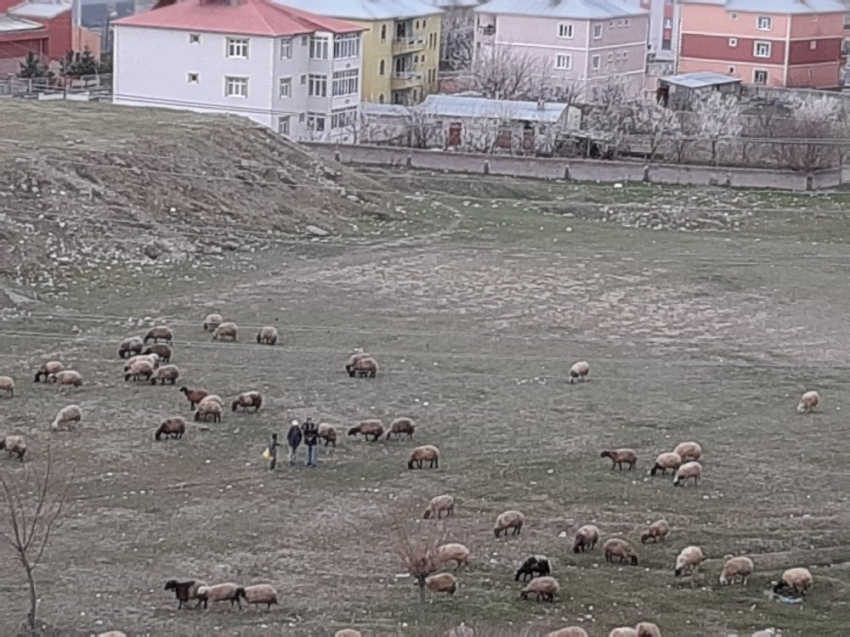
<point>401,45</point>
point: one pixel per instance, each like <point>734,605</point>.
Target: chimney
<point>541,105</point>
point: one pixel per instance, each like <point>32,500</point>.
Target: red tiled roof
<point>248,17</point>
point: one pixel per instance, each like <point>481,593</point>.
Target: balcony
<point>404,80</point>
<point>487,29</point>
<point>408,44</point>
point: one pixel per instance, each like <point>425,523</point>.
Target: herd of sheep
<point>148,360</point>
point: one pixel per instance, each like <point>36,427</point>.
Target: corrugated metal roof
<point>367,9</point>
<point>45,10</point>
<point>449,4</point>
<point>468,107</point>
<point>777,6</point>
<point>576,9</point>
<point>10,24</point>
<point>384,110</point>
<point>700,79</point>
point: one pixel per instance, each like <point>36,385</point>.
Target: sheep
<point>267,336</point>
<point>689,470</point>
<point>426,453</point>
<point>401,426</point>
<point>161,350</point>
<point>259,594</point>
<point>363,367</point>
<point>509,520</point>
<point>544,587</point>
<point>246,400</point>
<point>185,591</point>
<point>130,346</point>
<point>658,530</point>
<point>67,377</point>
<point>736,567</point>
<point>617,547</point>
<point>569,631</point>
<point>71,413</point>
<point>439,504</point>
<point>166,373</point>
<point>153,359</point>
<point>619,457</point>
<point>368,428</point>
<point>808,402</point>
<point>228,592</point>
<point>171,428</point>
<point>625,631</point>
<point>349,366</point>
<point>454,552</point>
<point>212,321</point>
<point>14,445</point>
<point>112,633</point>
<point>7,384</point>
<point>648,629</point>
<point>207,408</point>
<point>214,398</point>
<point>688,451</point>
<point>580,370</point>
<point>767,632</point>
<point>157,334</point>
<point>348,632</point>
<point>139,369</point>
<point>442,583</point>
<point>327,433</point>
<point>669,460</point>
<point>226,331</point>
<point>799,580</point>
<point>194,395</point>
<point>49,368</point>
<point>688,560</point>
<point>534,565</point>
<point>586,538</point>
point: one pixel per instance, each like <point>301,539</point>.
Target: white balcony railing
<point>407,75</point>
<point>413,40</point>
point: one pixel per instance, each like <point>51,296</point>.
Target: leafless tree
<point>717,116</point>
<point>31,508</point>
<point>814,128</point>
<point>657,123</point>
<point>504,73</point>
<point>423,128</point>
<point>457,36</point>
<point>611,116</point>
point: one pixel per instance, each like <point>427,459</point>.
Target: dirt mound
<point>86,184</point>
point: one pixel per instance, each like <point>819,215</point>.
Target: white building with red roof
<point>293,71</point>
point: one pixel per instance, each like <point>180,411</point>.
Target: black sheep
<point>183,591</point>
<point>534,565</point>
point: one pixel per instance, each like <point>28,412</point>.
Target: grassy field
<point>709,334</point>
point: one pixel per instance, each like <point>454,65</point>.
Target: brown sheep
<point>442,583</point>
<point>207,408</point>
<point>669,460</point>
<point>401,426</point>
<point>212,321</point>
<point>734,568</point>
<point>246,400</point>
<point>267,336</point>
<point>509,520</point>
<point>454,552</point>
<point>171,428</point>
<point>569,631</point>
<point>579,371</point>
<point>426,453</point>
<point>14,445</point>
<point>798,580</point>
<point>439,504</point>
<point>7,384</point>
<point>619,457</point>
<point>545,588</point>
<point>586,538</point>
<point>658,530</point>
<point>259,594</point>
<point>349,366</point>
<point>138,370</point>
<point>157,334</point>
<point>165,373</point>
<point>327,433</point>
<point>226,331</point>
<point>162,351</point>
<point>368,428</point>
<point>648,629</point>
<point>130,346</point>
<point>616,547</point>
<point>808,402</point>
<point>365,366</point>
<point>153,359</point>
<point>688,451</point>
<point>688,471</point>
<point>228,592</point>
<point>67,377</point>
<point>194,395</point>
<point>49,369</point>
<point>348,632</point>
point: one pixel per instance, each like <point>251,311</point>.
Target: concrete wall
<point>578,169</point>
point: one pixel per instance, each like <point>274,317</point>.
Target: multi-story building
<point>293,71</point>
<point>781,43</point>
<point>401,45</point>
<point>586,43</point>
<point>663,27</point>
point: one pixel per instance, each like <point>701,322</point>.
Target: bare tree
<point>423,128</point>
<point>504,73</point>
<point>814,129</point>
<point>30,510</point>
<point>611,115</point>
<point>457,36</point>
<point>657,122</point>
<point>717,116</point>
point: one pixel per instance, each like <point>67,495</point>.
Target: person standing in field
<point>273,451</point>
<point>311,439</point>
<point>293,438</point>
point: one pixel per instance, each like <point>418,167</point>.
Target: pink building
<point>781,43</point>
<point>585,43</point>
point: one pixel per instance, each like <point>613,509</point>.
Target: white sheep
<point>66,377</point>
<point>207,408</point>
<point>688,451</point>
<point>664,461</point>
<point>579,370</point>
<point>259,594</point>
<point>569,631</point>
<point>808,402</point>
<point>212,321</point>
<point>140,369</point>
<point>226,331</point>
<point>454,552</point>
<point>648,629</point>
<point>166,373</point>
<point>348,632</point>
<point>7,385</point>
<point>688,471</point>
<point>586,538</point>
<point>799,580</point>
<point>509,520</point>
<point>545,588</point>
<point>49,368</point>
<point>688,560</point>
<point>227,592</point>
<point>658,530</point>
<point>71,413</point>
<point>736,567</point>
<point>14,445</point>
<point>267,335</point>
<point>439,504</point>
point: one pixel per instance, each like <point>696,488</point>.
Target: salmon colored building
<point>775,43</point>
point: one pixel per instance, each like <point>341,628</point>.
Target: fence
<point>82,88</point>
<point>578,169</point>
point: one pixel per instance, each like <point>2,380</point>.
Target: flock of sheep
<point>148,360</point>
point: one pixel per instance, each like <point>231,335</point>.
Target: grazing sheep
<point>71,413</point>
<point>327,433</point>
<point>439,504</point>
<point>767,632</point>
<point>130,346</point>
<point>426,453</point>
<point>185,591</point>
<point>658,530</point>
<point>534,565</point>
<point>157,334</point>
<point>153,359</point>
<point>736,567</point>
<point>648,629</point>
<point>67,377</point>
<point>7,385</point>
<point>160,350</point>
<point>569,631</point>
<point>401,426</point>
<point>365,366</point>
<point>808,402</point>
<point>349,366</point>
<point>140,369</point>
<point>442,583</point>
<point>246,400</point>
<point>509,520</point>
<point>618,547</point>
<point>454,552</point>
<point>194,395</point>
<point>619,457</point>
<point>689,560</point>
<point>113,633</point>
<point>48,369</point>
<point>688,451</point>
<point>171,428</point>
<point>348,632</point>
<point>580,370</point>
<point>226,331</point>
<point>165,373</point>
<point>214,398</point>
<point>668,460</point>
<point>259,594</point>
<point>368,428</point>
<point>544,587</point>
<point>799,580</point>
<point>689,470</point>
<point>228,592</point>
<point>586,538</point>
<point>14,445</point>
<point>267,335</point>
<point>625,631</point>
<point>207,408</point>
<point>212,321</point>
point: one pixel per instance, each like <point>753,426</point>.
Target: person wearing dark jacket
<point>293,438</point>
<point>311,439</point>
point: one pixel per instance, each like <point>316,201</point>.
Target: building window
<point>305,40</point>
<point>317,86</point>
<point>303,80</point>
<point>611,57</point>
<point>236,87</point>
<point>381,67</point>
<point>760,76</point>
<point>764,23</point>
<point>283,125</point>
<point>564,62</point>
<point>594,62</point>
<point>566,30</point>
<point>383,33</point>
<point>381,98</point>
<point>611,24</point>
<point>316,123</point>
<point>286,49</point>
<point>761,49</point>
<point>346,82</point>
<point>813,45</point>
<point>347,46</point>
<point>731,70</point>
<point>237,47</point>
<point>625,55</point>
<point>668,23</point>
<point>423,23</point>
<point>285,87</point>
<point>318,48</point>
<point>194,38</point>
<point>733,15</point>
<point>666,44</point>
<point>343,117</point>
<point>597,31</point>
<point>193,78</point>
<point>733,42</point>
<point>417,24</point>
<point>627,22</point>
